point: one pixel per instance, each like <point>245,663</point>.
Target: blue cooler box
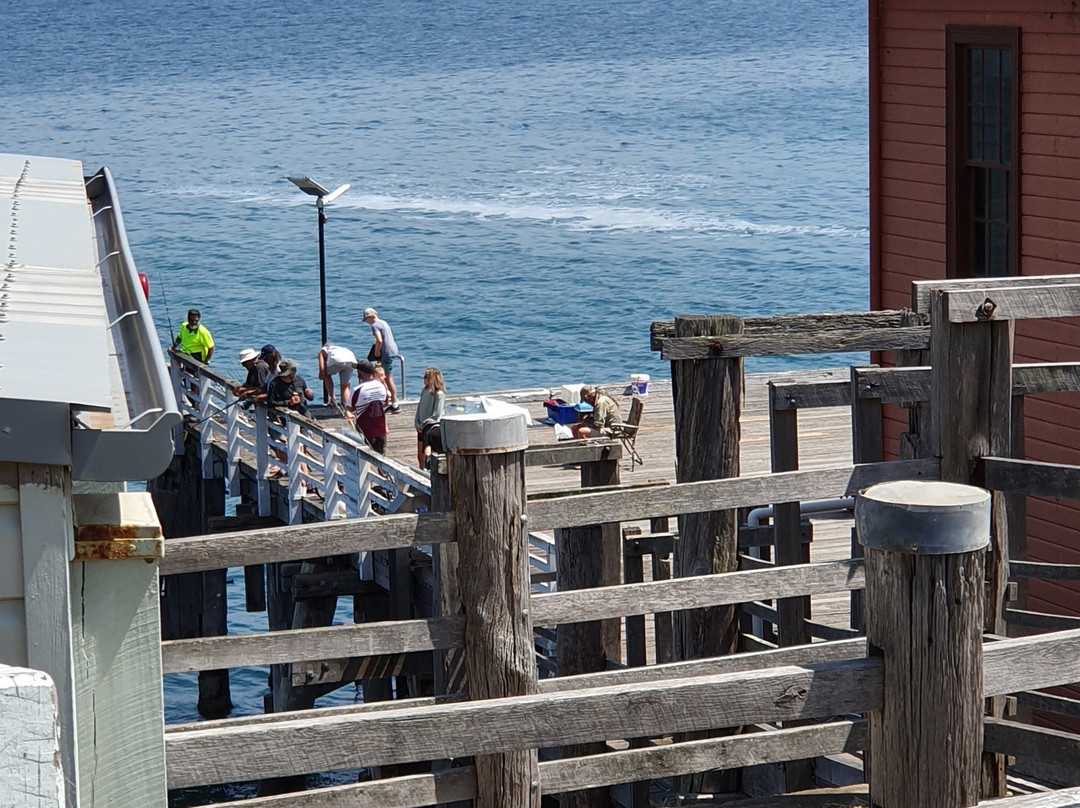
<point>562,413</point>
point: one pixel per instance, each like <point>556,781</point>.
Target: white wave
<point>569,210</point>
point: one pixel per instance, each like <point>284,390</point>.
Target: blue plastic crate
<point>562,413</point>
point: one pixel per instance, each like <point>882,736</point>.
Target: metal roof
<point>52,309</point>
<point>83,382</point>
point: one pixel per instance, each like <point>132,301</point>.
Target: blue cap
<point>267,350</point>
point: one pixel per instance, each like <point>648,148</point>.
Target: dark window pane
<point>975,133</point>
<point>978,249</point>
<point>999,195</point>
<point>991,134</point>
<point>978,193</point>
<point>1006,136</point>
<point>1006,79</point>
<point>991,76</point>
<point>998,264</point>
<point>975,76</point>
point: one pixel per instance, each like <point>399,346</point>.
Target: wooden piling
<point>707,398</point>
<point>925,556</point>
<point>581,647</point>
<point>194,604</point>
<point>971,414</point>
<point>486,460</point>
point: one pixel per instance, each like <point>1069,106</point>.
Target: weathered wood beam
<point>728,752</point>
<point>920,290</point>
<point>893,385</point>
<point>814,654</point>
<point>1046,571</point>
<point>696,592</point>
<point>1031,663</point>
<point>796,324</point>
<point>1031,477</point>
<point>911,384</point>
<point>296,542</point>
<point>739,345</point>
<point>1040,620</point>
<point>273,647</point>
<point>576,452</point>
<point>1048,746</point>
<point>204,754</point>
<point>1018,303</point>
<point>1062,798</point>
<point>1047,702</point>
<point>341,671</point>
<point>560,776</point>
<point>811,395</point>
<point>710,495</point>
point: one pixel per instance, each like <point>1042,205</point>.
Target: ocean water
<point>532,183</point>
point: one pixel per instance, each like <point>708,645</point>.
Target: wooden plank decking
<point>824,440</point>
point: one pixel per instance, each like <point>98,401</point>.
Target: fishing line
<point>222,410</point>
<point>168,316</point>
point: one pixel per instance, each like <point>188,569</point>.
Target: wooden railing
<point>347,478</point>
<point>819,681</point>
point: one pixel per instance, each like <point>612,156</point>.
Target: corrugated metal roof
<point>53,317</point>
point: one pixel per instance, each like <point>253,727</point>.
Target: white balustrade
<point>351,479</point>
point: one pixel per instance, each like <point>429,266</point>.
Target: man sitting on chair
<point>604,416</point>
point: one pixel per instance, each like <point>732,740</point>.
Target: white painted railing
<point>335,469</point>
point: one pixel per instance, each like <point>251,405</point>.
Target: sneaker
<point>394,408</point>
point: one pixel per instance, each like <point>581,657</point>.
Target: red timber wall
<point>907,133</point>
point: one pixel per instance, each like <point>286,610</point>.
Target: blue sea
<point>532,183</point>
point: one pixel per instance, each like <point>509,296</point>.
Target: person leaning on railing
<point>194,338</point>
<point>258,373</point>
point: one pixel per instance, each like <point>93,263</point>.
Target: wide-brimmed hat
<point>248,354</point>
<point>287,366</point>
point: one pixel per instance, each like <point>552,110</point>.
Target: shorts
<point>344,372</point>
<point>387,363</point>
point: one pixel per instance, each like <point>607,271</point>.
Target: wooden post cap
<point>492,432</point>
<point>925,518</point>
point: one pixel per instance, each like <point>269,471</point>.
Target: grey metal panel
<point>35,432</point>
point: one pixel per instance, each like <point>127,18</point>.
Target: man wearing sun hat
<point>258,372</point>
<point>288,390</point>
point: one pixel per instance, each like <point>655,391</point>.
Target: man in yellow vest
<point>194,338</point>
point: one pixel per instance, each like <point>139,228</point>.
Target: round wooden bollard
<point>925,556</point>
<point>486,469</point>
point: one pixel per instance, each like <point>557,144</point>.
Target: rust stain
<point>114,532</point>
<point>107,550</point>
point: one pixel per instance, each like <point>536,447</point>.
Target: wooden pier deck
<point>824,441</point>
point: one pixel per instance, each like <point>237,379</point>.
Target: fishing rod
<point>223,410</point>
<point>168,316</point>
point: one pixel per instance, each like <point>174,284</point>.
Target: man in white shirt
<point>335,359</point>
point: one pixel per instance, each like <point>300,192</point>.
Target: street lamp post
<point>323,197</point>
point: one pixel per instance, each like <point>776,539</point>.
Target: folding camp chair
<point>627,431</point>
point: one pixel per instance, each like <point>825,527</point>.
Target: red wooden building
<point>975,170</point>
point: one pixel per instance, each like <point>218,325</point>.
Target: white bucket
<point>639,383</point>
